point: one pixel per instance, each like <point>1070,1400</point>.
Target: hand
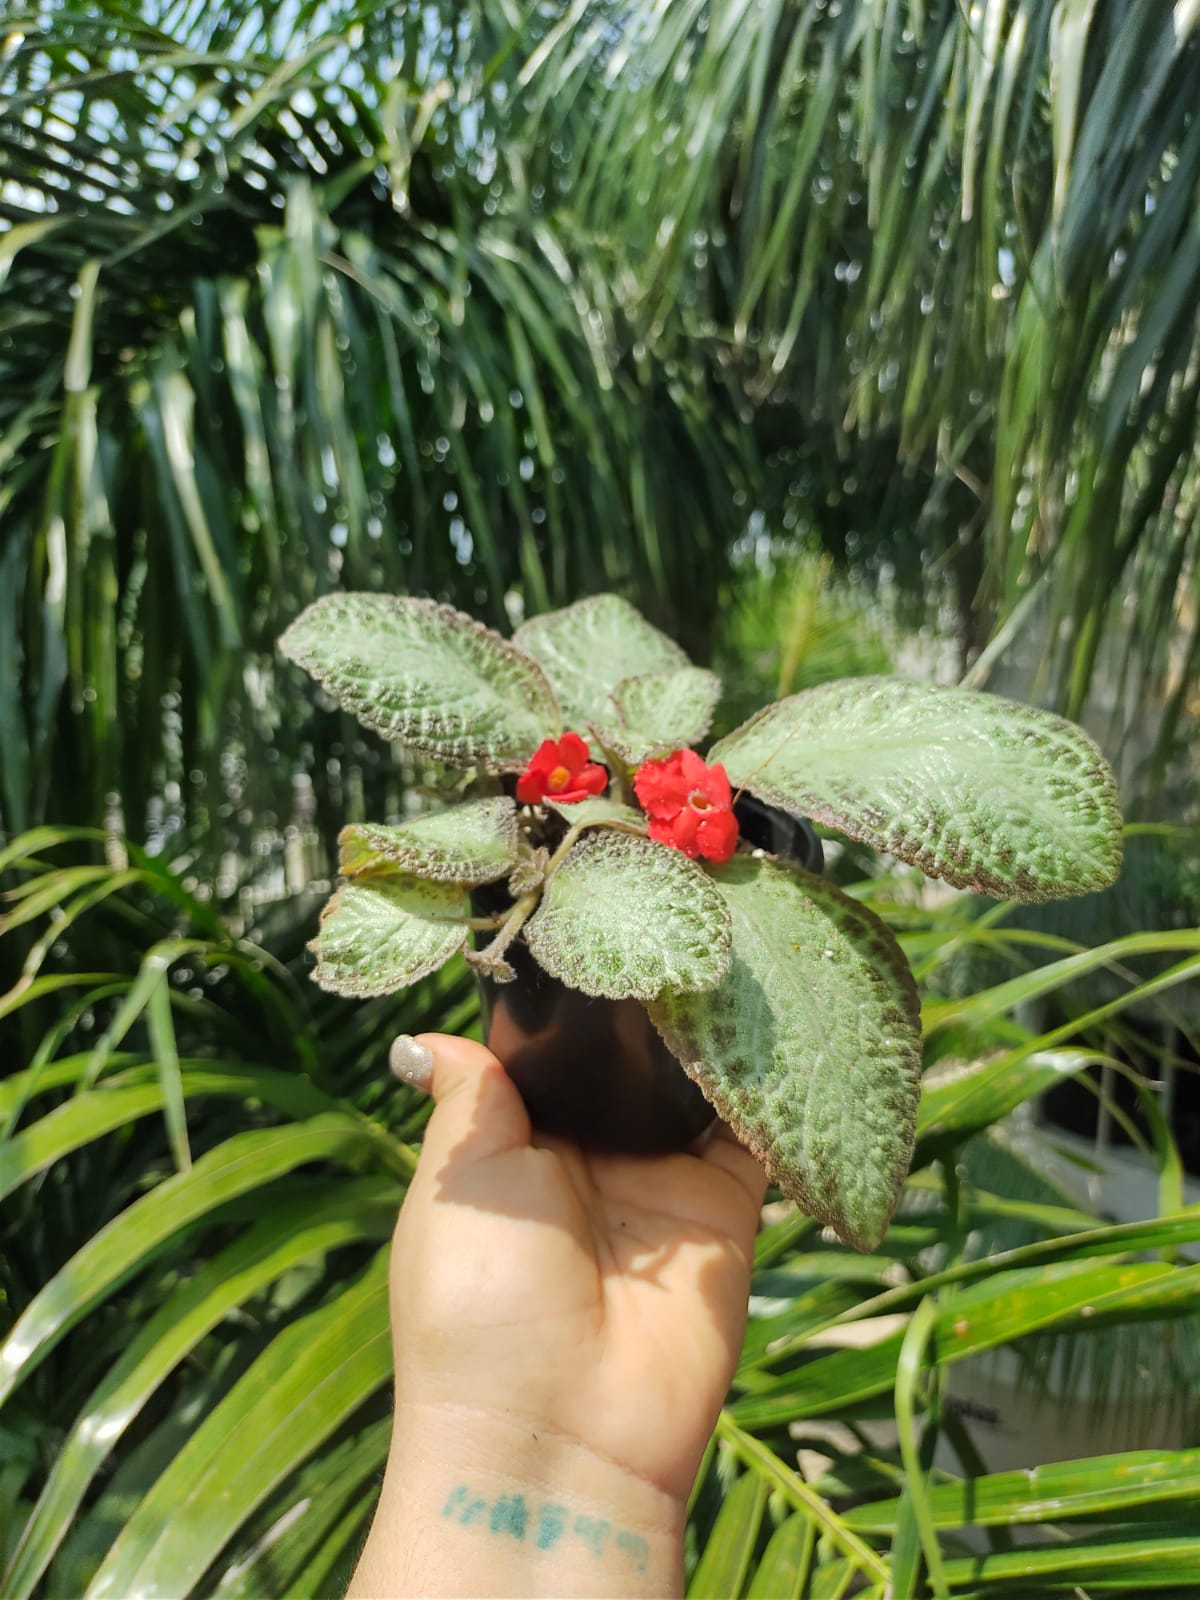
<point>566,1325</point>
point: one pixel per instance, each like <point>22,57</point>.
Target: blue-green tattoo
<point>510,1516</point>
<point>552,1522</point>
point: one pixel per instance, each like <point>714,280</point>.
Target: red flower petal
<point>689,805</point>
<point>572,752</point>
<point>661,832</point>
<point>662,787</point>
<point>559,769</point>
<point>531,787</point>
<point>684,830</point>
<point>717,835</point>
<point>716,786</point>
<point>545,758</point>
<point>691,767</point>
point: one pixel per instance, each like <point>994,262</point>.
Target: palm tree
<point>273,325</point>
<point>308,295</point>
<point>508,303</point>
<point>946,259</point>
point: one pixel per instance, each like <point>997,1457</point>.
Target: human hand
<point>566,1324</point>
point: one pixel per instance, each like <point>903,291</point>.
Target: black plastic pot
<point>595,1071</point>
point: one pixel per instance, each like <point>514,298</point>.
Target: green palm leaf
<point>308,1380</point>
<point>291,1231</point>
<point>242,1164</point>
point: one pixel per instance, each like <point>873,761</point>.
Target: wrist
<point>495,1505</point>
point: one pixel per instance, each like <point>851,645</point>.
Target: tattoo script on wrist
<point>544,1525</point>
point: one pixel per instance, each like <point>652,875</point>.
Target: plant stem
<point>569,839</point>
<point>510,927</point>
<point>620,771</point>
<point>910,1368</point>
<point>523,908</point>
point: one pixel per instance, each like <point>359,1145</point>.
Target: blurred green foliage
<point>807,325</point>
<point>786,625</point>
<point>201,1163</point>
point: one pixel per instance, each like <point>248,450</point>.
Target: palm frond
<point>949,247</point>
<point>254,1285</point>
<point>311,350</point>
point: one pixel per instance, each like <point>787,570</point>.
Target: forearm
<point>474,1506</point>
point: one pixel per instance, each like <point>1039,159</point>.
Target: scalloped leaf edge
<point>461,752</point>
<point>390,848</point>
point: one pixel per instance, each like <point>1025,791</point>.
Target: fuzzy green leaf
<point>427,676</point>
<point>811,1047</point>
<point>598,809</point>
<point>627,918</point>
<point>660,711</point>
<point>589,648</point>
<point>380,934</point>
<point>983,792</point>
<point>472,843</point>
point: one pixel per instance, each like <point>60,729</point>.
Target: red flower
<point>689,805</point>
<point>560,770</point>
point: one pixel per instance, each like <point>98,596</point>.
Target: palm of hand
<point>604,1296</point>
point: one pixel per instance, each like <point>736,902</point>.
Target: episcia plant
<point>616,862</point>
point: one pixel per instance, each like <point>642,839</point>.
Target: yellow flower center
<point>558,780</point>
<point>699,801</point>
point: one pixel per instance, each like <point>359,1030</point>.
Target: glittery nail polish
<point>411,1062</point>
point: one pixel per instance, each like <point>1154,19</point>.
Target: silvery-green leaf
<point>811,1046</point>
<point>658,712</point>
<point>598,808</point>
<point>589,648</point>
<point>475,842</point>
<point>983,792</point>
<point>427,676</point>
<point>624,917</point>
<point>380,934</point>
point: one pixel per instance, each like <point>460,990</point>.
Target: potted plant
<point>620,885</point>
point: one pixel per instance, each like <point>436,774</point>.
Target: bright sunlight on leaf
<point>982,792</point>
<point>811,1047</point>
<point>589,648</point>
<point>624,917</point>
<point>472,843</point>
<point>427,676</point>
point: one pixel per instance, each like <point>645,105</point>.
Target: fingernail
<point>411,1062</point>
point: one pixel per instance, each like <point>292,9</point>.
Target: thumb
<point>479,1112</point>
